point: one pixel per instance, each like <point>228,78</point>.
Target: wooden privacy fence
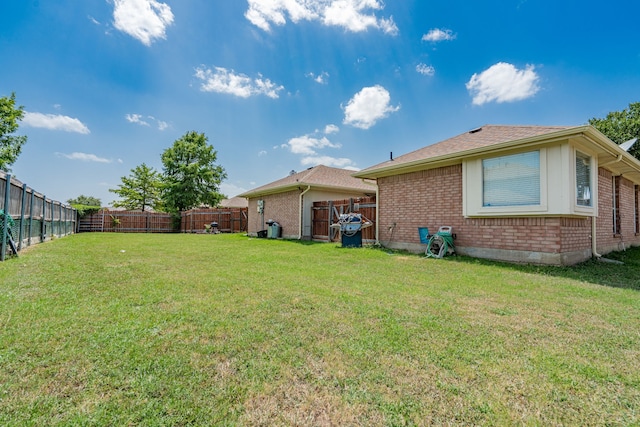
<point>230,220</point>
<point>35,218</point>
<point>323,214</point>
<point>107,220</point>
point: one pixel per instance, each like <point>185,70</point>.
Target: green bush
<point>85,210</point>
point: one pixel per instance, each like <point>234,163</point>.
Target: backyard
<point>194,329</point>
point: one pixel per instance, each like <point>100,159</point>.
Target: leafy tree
<point>190,175</point>
<point>85,200</point>
<point>139,190</point>
<point>10,145</point>
<point>621,126</point>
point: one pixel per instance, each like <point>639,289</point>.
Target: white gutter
<point>300,211</point>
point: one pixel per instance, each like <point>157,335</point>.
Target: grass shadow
<point>592,271</point>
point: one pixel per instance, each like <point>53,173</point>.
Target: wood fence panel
<point>326,213</point>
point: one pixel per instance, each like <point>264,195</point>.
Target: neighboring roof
<point>468,142</point>
<point>318,177</point>
<point>234,202</point>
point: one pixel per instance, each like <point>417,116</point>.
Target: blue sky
<point>281,85</point>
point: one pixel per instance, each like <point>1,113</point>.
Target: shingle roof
<point>318,176</point>
<point>475,139</point>
<point>234,202</point>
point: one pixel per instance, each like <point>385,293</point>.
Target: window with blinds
<point>583,179</point>
<point>512,180</point>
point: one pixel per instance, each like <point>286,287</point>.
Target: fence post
<point>24,201</point>
<point>33,194</point>
<point>43,229</point>
<point>5,222</point>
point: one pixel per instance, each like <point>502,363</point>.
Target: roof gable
<point>319,177</point>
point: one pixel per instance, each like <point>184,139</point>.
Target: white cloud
<point>231,190</point>
<point>320,78</point>
<point>425,70</point>
<point>139,119</point>
<point>85,157</point>
<point>438,35</point>
<point>94,20</point>
<point>328,161</point>
<point>136,118</point>
<point>329,129</point>
<point>54,122</point>
<point>221,80</point>
<point>145,20</point>
<point>503,82</point>
<point>348,14</point>
<point>368,106</point>
<point>262,153</point>
<point>308,145</point>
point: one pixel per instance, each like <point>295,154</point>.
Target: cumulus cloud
<point>425,70</point>
<point>145,20</point>
<point>308,145</point>
<point>337,162</point>
<point>329,129</point>
<point>54,122</point>
<point>438,35</point>
<point>368,106</point>
<point>503,82</point>
<point>221,80</point>
<point>85,157</point>
<point>352,15</point>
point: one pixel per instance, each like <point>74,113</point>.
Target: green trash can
<point>274,230</point>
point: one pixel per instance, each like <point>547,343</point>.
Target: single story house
<point>233,203</point>
<point>289,200</point>
<point>535,194</point>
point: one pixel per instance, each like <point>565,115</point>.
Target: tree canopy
<point>85,200</point>
<point>190,175</point>
<point>621,126</point>
<point>140,190</point>
<point>10,145</point>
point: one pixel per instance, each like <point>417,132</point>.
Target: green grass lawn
<point>144,329</point>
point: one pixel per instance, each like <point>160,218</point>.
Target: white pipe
<point>300,212</point>
<point>613,161</point>
<point>594,250</point>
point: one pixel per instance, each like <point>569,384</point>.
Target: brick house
<point>547,195</point>
<point>289,200</point>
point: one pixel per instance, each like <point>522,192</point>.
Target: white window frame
<point>582,209</point>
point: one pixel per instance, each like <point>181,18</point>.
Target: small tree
<point>139,190</point>
<point>190,175</point>
<point>10,145</point>
<point>621,126</point>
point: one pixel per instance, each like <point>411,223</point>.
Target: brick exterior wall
<point>283,208</point>
<point>607,241</point>
<point>433,198</point>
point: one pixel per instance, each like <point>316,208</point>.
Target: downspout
<point>300,212</point>
<point>594,243</point>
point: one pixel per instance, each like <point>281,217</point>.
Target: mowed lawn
<point>174,330</point>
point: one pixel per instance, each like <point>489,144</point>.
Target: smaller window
<point>583,180</point>
<point>636,210</point>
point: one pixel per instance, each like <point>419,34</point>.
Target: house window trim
<point>580,209</point>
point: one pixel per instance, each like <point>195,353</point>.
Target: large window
<point>511,180</point>
<point>583,180</point>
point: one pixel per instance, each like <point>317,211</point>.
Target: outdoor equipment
<point>441,243</point>
<point>274,230</point>
<point>6,224</point>
<point>351,226</point>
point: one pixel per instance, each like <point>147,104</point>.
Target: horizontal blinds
<point>512,180</point>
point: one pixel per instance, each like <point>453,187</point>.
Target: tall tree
<point>621,126</point>
<point>10,145</point>
<point>139,190</point>
<point>190,174</point>
<point>85,201</point>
